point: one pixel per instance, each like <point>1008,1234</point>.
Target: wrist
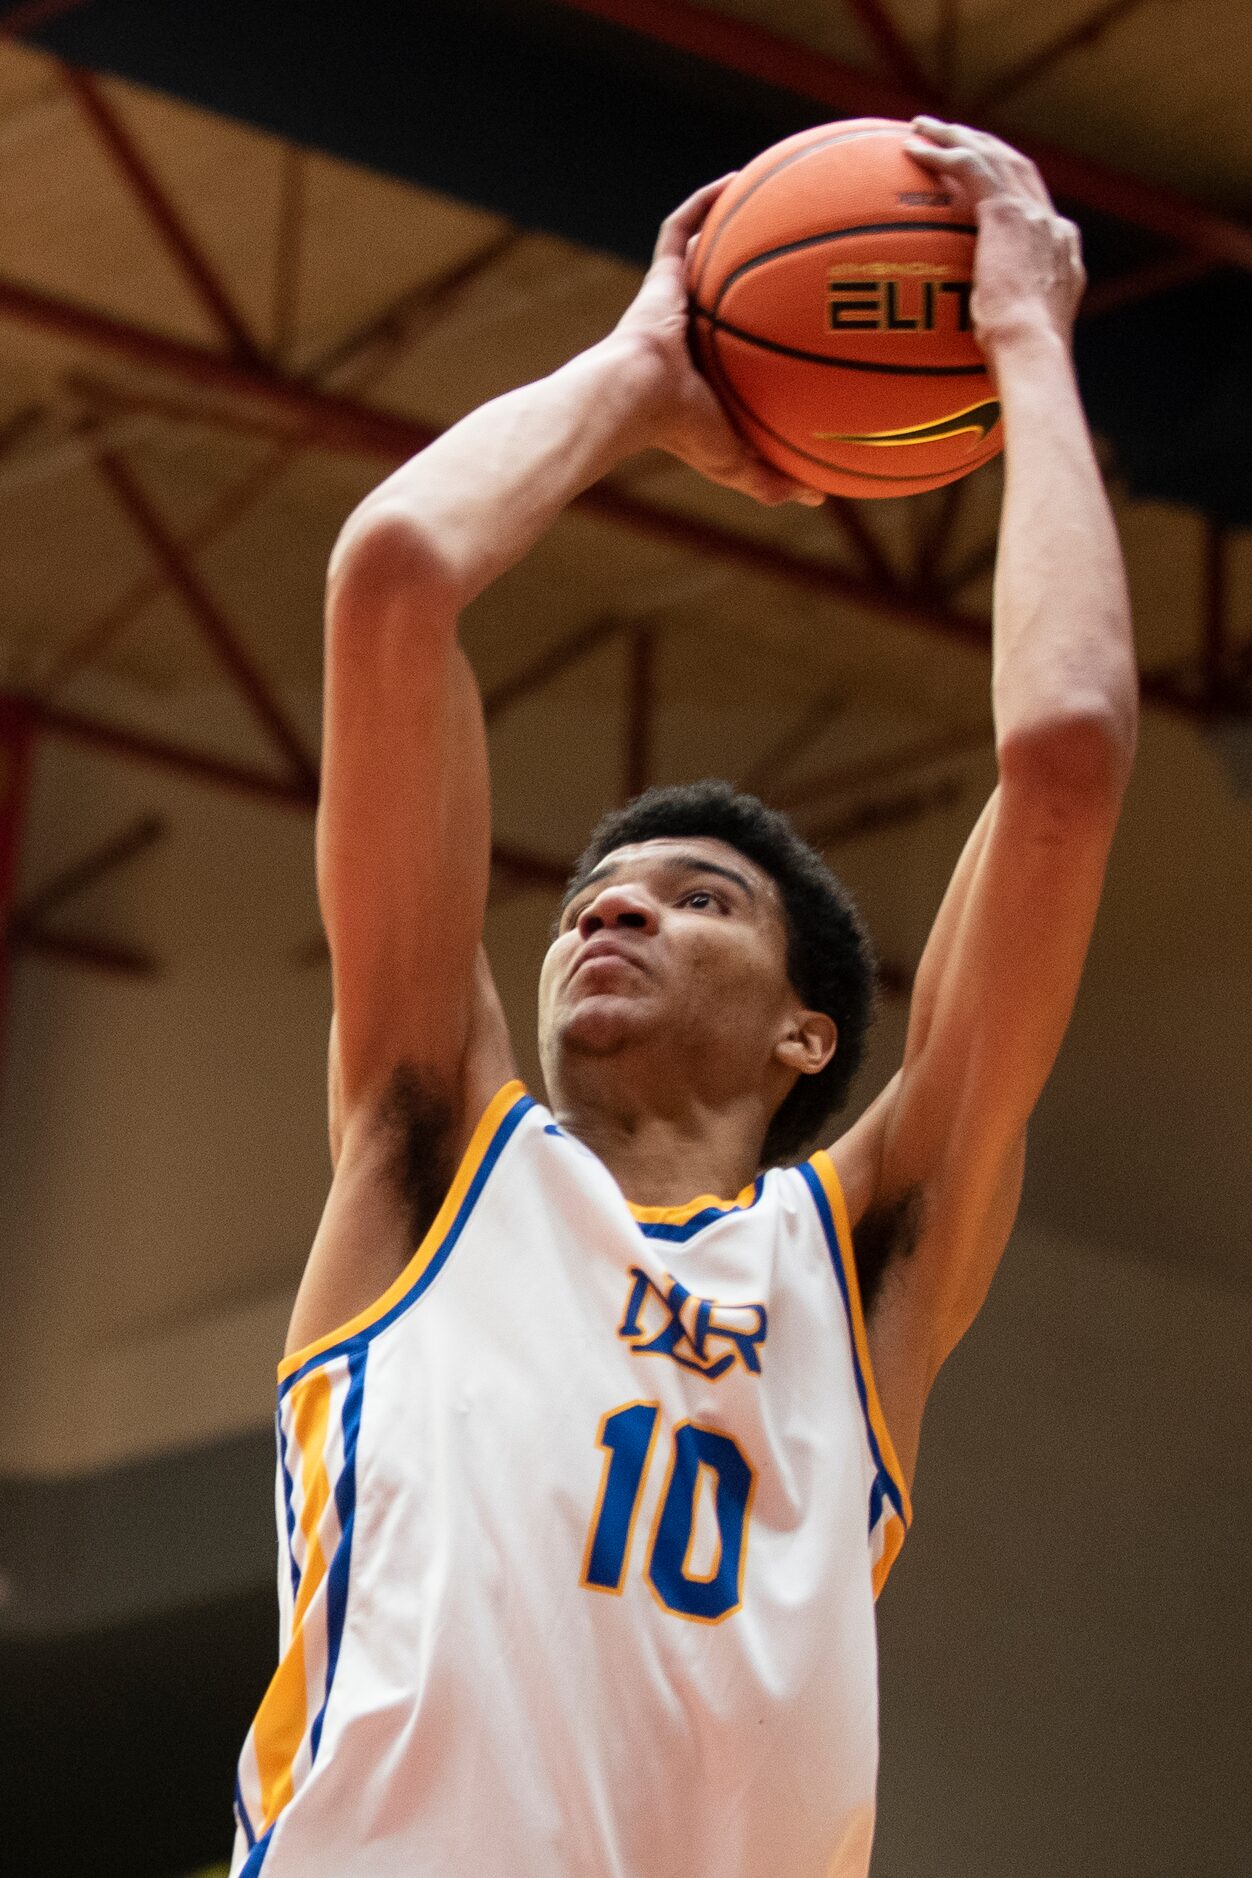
<point>1026,339</point>
<point>631,377</point>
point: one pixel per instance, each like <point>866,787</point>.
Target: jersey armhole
<point>494,1129</point>
<point>890,1509</point>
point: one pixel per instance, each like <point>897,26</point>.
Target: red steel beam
<point>779,757</point>
<point>549,665</point>
<point>238,664</point>
<point>159,753</point>
<point>329,421</point>
<point>96,955</point>
<point>396,324</point>
<point>84,873</point>
<point>172,231</point>
<point>846,517</point>
<point>934,537</point>
<point>758,53</point>
<point>892,47</point>
<point>870,772</point>
<point>1082,33</point>
<point>870,818</point>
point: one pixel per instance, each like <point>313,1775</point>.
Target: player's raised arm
<point>403,835</point>
<point>941,1153</point>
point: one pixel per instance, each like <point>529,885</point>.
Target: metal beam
<point>871,818</point>
<point>757,53</point>
<point>781,755</point>
<point>892,47</point>
<point>270,405</point>
<point>871,772</point>
<point>848,520</point>
<point>934,537</point>
<point>550,665</point>
<point>1083,33</point>
<point>84,873</point>
<point>97,955</point>
<point>238,664</point>
<point>175,237</point>
<point>159,753</point>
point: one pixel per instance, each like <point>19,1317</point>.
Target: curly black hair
<point>830,961</point>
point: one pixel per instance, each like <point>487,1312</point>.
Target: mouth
<point>600,951</point>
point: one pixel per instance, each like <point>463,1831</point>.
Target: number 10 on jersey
<point>699,1456</point>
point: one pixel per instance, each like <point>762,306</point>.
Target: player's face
<point>675,949</point>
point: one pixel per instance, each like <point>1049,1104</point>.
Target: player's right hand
<point>689,420</point>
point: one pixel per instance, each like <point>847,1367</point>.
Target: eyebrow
<point>678,863</point>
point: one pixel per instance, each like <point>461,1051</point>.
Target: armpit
<point>889,1231</point>
<point>417,1125</point>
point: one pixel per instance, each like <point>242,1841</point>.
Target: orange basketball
<point>830,311</point>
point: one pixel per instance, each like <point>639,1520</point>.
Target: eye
<point>702,897</point>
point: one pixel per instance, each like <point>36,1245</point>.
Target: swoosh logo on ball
<point>979,418</point>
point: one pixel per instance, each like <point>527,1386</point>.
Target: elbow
<point>1074,766</point>
<point>385,559</point>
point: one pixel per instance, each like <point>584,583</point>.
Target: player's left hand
<point>689,421</point>
<point>1028,266</point>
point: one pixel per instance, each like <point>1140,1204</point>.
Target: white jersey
<point>579,1530</point>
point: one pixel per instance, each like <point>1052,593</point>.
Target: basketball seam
<point>730,390</point>
<point>837,234</point>
<point>846,135</point>
<point>822,358</point>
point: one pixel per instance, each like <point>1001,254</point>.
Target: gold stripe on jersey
<point>480,1142</point>
<point>894,1528</point>
<point>282,1720</point>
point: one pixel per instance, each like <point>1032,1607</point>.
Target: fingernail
<point>811,498</point>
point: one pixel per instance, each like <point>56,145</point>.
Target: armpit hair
<point>887,1232</point>
<point>416,1120</point>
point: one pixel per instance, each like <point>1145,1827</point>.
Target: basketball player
<point>582,1504</point>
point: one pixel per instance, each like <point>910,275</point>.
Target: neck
<point>664,1157</point>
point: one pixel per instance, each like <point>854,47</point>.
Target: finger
<point>962,164</point>
<point>687,219</point>
<point>765,484</point>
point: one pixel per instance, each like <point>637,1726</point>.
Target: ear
<point>808,1043</point>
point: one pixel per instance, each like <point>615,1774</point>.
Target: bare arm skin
<point>419,1043</point>
<point>1001,968</point>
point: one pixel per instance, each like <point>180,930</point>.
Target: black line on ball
<point>728,390</point>
<point>822,358</point>
<point>844,135</point>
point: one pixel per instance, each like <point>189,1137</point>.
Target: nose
<point>617,906</point>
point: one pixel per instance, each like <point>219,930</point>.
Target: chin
<point>601,1026</point>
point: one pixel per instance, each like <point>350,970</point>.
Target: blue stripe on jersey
<point>345,1506</point>
<point>437,1260</point>
<point>666,1229</point>
<point>884,1484</point>
<point>256,1857</point>
<point>287,1503</point>
<point>241,1814</point>
<point>336,1584</point>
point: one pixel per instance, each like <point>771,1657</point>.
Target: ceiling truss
<point>245,386</point>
